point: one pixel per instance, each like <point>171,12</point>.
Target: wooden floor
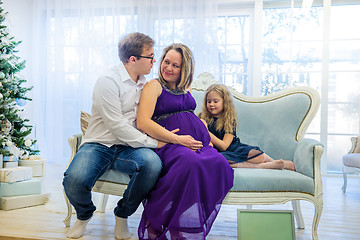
<point>340,219</point>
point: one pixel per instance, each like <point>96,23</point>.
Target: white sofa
<point>351,160</point>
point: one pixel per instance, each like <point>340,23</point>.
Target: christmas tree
<point>14,129</point>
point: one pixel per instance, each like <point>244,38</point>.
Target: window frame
<point>233,10</point>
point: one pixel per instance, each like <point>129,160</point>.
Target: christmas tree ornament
<point>9,143</point>
<point>7,128</point>
<point>21,102</point>
<point>25,155</point>
<point>28,142</point>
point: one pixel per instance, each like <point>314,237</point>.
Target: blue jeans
<point>92,160</point>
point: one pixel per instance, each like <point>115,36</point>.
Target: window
<point>292,43</point>
<point>234,50</point>
<point>235,44</point>
<point>293,55</point>
<point>343,83</point>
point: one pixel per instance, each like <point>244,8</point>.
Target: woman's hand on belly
<point>189,142</point>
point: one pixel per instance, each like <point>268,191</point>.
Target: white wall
<point>19,23</point>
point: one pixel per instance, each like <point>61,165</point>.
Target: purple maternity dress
<point>188,196</point>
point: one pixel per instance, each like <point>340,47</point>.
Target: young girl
<point>219,115</point>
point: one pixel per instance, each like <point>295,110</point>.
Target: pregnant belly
<point>188,124</point>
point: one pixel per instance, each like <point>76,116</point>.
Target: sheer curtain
<point>75,41</point>
<point>193,23</point>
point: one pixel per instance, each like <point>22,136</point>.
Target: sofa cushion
<point>115,176</point>
<point>248,180</point>
<point>270,180</point>
<point>352,160</point>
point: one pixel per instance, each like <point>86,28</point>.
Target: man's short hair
<point>133,45</point>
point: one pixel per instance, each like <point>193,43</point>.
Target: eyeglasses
<point>152,58</point>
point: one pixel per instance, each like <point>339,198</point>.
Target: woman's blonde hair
<point>187,66</point>
<point>228,116</point>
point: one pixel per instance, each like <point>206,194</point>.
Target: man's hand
<point>161,143</point>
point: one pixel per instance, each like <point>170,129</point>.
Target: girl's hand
<point>222,145</point>
<point>203,121</point>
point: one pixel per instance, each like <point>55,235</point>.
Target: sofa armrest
<point>74,142</point>
<point>306,156</point>
<point>354,142</point>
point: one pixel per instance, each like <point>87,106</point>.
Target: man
<point>112,141</point>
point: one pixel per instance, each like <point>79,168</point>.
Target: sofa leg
<point>298,214</point>
<point>69,208</point>
<point>103,202</point>
<point>345,179</point>
<point>317,215</point>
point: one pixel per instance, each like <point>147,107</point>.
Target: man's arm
<point>107,102</point>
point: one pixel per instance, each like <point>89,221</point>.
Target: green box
<point>266,224</point>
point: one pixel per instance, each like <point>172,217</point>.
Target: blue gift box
<point>11,158</point>
<point>32,186</point>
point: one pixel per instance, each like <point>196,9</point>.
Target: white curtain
<point>75,41</point>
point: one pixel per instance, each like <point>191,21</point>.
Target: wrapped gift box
<point>27,187</point>
<point>38,166</point>
<point>10,203</point>
<point>10,164</point>
<point>16,174</point>
<point>10,158</point>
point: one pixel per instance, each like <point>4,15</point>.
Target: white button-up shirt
<point>114,105</point>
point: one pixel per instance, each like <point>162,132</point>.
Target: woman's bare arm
<point>148,99</point>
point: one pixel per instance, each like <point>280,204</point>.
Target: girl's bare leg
<point>267,158</point>
<point>289,165</point>
<point>262,161</point>
<point>276,164</point>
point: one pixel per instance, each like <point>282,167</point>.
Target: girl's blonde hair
<point>228,116</point>
<point>187,65</point>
